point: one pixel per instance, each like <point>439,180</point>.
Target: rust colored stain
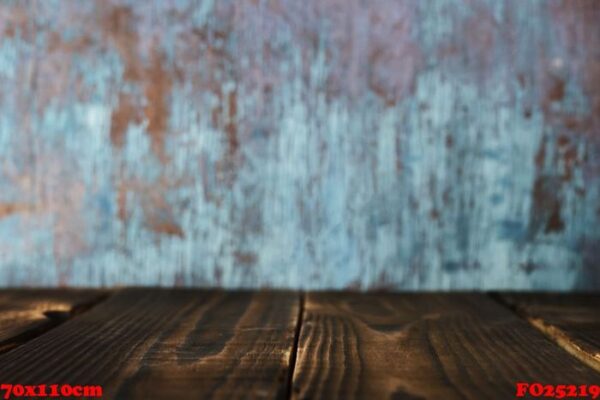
<point>119,27</point>
<point>479,31</point>
<point>449,141</point>
<point>546,206</point>
<point>7,209</point>
<point>555,222</point>
<point>229,164</point>
<point>392,89</point>
<point>556,90</point>
<point>154,80</point>
<point>563,140</point>
<point>157,89</point>
<point>592,82</point>
<point>392,70</point>
<point>472,49</point>
<point>164,226</point>
<point>245,258</point>
<point>122,201</point>
<point>125,113</point>
<point>17,21</point>
<point>231,127</point>
<point>151,197</point>
<point>546,213</point>
<point>540,156</point>
<point>570,160</point>
<point>575,26</point>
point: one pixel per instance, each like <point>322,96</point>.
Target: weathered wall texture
<point>317,143</point>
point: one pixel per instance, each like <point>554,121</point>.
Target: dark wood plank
<point>143,344</point>
<point>25,313</point>
<point>572,320</point>
<point>422,346</point>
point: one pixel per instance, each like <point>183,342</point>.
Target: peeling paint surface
<point>318,144</point>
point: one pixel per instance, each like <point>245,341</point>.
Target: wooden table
<point>187,343</point>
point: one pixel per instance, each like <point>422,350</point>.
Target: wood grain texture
<point>573,321</point>
<point>422,346</point>
<point>143,344</point>
<point>26,313</point>
<point>426,144</point>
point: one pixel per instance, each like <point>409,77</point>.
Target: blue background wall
<point>317,143</point>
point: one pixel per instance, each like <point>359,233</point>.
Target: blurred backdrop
<point>379,144</point>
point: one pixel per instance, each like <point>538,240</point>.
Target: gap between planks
<point>54,319</point>
<point>561,338</point>
<point>294,352</point>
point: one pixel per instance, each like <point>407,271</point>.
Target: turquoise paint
<point>363,145</point>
